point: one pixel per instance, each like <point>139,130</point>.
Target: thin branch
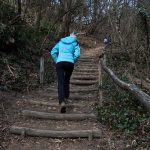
<point>9,68</point>
<point>59,17</point>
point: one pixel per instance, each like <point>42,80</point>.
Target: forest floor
<point>84,94</point>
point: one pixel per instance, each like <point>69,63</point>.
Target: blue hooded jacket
<point>67,49</point>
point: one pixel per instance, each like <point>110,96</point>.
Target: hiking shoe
<point>63,107</point>
<point>67,101</point>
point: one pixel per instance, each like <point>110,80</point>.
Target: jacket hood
<point>68,40</point>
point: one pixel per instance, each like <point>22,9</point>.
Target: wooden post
<point>101,78</point>
<point>100,84</point>
<point>19,7</point>
<point>41,70</point>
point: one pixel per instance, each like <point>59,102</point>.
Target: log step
<point>86,70</point>
<point>85,73</point>
<point>86,59</point>
<point>54,104</point>
<point>82,90</point>
<point>72,96</point>
<point>74,90</point>
<point>82,67</point>
<point>58,116</point>
<point>87,65</point>
<point>79,82</point>
<point>56,134</point>
<point>80,77</point>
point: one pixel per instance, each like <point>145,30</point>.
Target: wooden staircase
<point>40,117</point>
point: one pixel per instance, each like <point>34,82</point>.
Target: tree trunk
<point>147,51</point>
<point>19,7</point>
<point>38,18</point>
<point>66,18</point>
<point>95,8</point>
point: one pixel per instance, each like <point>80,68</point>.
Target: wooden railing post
<point>41,70</point>
<point>100,84</point>
<point>101,79</point>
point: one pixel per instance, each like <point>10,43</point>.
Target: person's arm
<point>54,52</point>
<point>76,52</point>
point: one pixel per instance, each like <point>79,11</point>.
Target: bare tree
<point>19,7</point>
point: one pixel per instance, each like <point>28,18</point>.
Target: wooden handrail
<point>131,88</point>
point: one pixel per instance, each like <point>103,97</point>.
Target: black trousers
<point>64,71</point>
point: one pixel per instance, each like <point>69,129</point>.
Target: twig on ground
<point>10,68</point>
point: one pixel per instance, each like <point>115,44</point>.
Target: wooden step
<point>86,58</point>
<point>72,96</point>
<point>90,87</point>
<point>82,77</point>
<point>86,70</point>
<point>90,65</point>
<point>84,90</point>
<point>75,90</point>
<point>85,73</point>
<point>56,134</point>
<point>82,82</point>
<point>57,116</point>
<point>89,62</point>
<point>82,66</point>
<point>86,61</point>
<point>53,104</point>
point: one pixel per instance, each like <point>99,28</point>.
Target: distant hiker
<point>107,39</point>
<point>65,54</point>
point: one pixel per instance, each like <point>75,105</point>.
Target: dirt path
<point>84,97</point>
